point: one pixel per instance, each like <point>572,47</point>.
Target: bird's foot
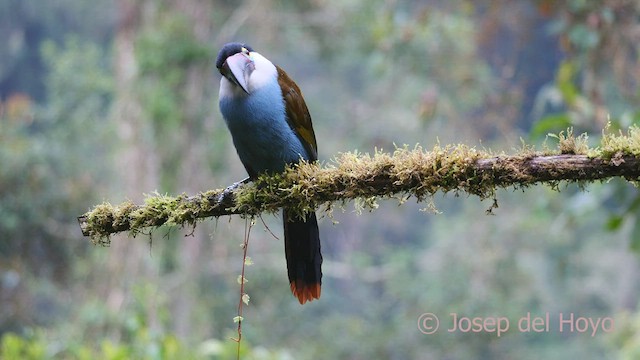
<point>236,185</point>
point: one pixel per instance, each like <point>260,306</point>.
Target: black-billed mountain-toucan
<point>271,128</point>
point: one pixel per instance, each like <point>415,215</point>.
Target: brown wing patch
<point>298,115</point>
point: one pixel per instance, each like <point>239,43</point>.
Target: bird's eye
<point>245,51</point>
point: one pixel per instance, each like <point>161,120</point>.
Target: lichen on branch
<point>405,172</point>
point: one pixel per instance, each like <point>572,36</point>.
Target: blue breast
<point>263,139</point>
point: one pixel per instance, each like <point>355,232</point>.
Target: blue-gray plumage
<point>263,139</point>
<point>271,128</point>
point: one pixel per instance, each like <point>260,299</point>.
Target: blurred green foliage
<point>165,53</point>
<point>590,90</point>
<point>375,74</point>
<point>43,179</point>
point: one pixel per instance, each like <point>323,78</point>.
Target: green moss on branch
<point>405,172</point>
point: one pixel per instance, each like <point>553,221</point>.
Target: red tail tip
<point>305,292</point>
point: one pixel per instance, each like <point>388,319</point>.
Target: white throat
<point>264,73</point>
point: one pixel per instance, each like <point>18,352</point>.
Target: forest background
<point>112,100</point>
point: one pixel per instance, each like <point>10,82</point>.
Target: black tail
<point>304,260</point>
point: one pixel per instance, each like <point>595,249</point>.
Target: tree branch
<point>418,173</point>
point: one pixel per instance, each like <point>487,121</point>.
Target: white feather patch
<point>264,73</point>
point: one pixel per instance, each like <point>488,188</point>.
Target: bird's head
<point>236,62</point>
<point>243,70</point>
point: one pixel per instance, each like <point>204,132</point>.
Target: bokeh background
<point>111,100</point>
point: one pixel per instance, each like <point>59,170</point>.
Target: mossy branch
<point>406,172</point>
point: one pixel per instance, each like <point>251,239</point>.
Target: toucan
<point>271,128</point>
